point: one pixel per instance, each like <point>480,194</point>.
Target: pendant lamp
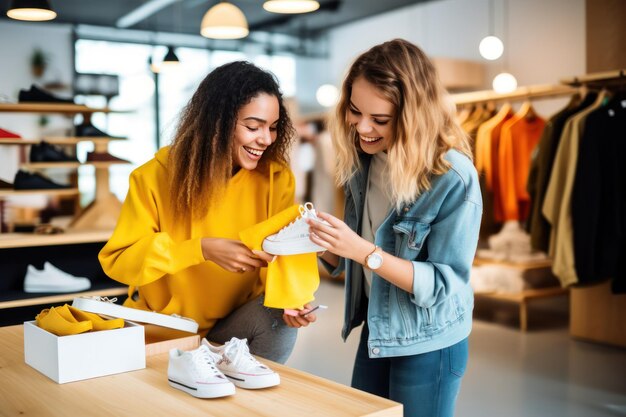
<point>491,47</point>
<point>504,83</point>
<point>31,10</point>
<point>224,21</point>
<point>291,6</point>
<point>170,60</point>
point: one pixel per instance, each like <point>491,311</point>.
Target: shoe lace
<point>237,351</point>
<point>103,299</point>
<point>204,362</point>
<point>306,211</point>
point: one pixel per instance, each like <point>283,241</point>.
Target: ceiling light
<point>491,48</point>
<point>224,21</point>
<point>327,95</point>
<point>170,57</point>
<point>31,10</point>
<point>291,6</point>
<point>504,83</point>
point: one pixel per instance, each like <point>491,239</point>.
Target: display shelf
<point>70,140</point>
<point>51,193</point>
<point>540,263</point>
<point>50,108</point>
<point>20,240</point>
<point>15,299</point>
<point>523,297</point>
<point>70,165</point>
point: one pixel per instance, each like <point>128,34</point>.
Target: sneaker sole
<point>294,247</point>
<point>254,382</point>
<point>134,314</point>
<point>55,288</point>
<point>216,391</point>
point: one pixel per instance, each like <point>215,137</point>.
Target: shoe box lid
<point>101,305</point>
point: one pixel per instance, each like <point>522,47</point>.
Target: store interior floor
<point>543,372</point>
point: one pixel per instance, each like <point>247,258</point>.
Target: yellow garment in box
<point>291,279</point>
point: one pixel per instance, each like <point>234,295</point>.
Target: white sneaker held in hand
<point>293,239</point>
<point>195,372</point>
<point>52,279</point>
<point>241,367</point>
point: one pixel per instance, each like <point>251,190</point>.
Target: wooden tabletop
<point>25,392</point>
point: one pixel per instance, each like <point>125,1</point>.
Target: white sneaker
<point>52,279</point>
<point>294,239</point>
<point>241,367</point>
<point>195,373</point>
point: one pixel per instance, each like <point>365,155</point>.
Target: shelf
<point>70,165</point>
<point>9,193</point>
<point>20,240</point>
<point>530,294</point>
<point>49,299</point>
<point>70,140</point>
<point>541,263</point>
<point>49,108</point>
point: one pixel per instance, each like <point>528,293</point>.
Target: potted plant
<point>38,62</point>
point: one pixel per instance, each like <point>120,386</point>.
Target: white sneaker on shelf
<point>52,279</point>
<point>241,367</point>
<point>294,239</point>
<point>195,372</point>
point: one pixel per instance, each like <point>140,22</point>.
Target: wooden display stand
<point>94,224</point>
<point>598,315</point>
<point>522,298</point>
<point>26,392</point>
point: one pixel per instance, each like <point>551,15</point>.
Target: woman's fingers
<point>264,255</point>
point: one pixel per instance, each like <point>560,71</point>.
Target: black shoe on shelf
<point>27,181</point>
<point>5,185</point>
<point>39,95</point>
<point>45,152</point>
<point>87,130</point>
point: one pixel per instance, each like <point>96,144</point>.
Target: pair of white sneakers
<point>214,371</point>
<point>52,279</point>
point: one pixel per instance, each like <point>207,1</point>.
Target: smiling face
<point>255,130</point>
<point>371,114</point>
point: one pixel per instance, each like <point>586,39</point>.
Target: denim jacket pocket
<point>410,238</point>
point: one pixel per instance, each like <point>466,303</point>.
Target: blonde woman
<point>412,215</point>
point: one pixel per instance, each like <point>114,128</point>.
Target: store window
<point>137,98</point>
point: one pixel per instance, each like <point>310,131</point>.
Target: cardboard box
<point>87,355</point>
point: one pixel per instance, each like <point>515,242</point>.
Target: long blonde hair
<point>424,127</point>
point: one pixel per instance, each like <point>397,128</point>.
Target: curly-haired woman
<point>176,242</point>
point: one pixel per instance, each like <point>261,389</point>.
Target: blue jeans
<point>426,384</point>
<point>268,335</point>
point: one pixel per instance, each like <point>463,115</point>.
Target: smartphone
<point>321,306</point>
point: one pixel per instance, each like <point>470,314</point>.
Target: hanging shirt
<point>377,205</point>
<point>518,138</point>
<point>557,205</point>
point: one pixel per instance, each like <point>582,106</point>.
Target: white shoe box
<point>86,355</point>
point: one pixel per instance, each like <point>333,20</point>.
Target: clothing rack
<point>522,93</point>
<point>595,312</point>
<point>599,78</point>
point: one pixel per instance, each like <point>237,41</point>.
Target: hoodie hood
<point>162,157</point>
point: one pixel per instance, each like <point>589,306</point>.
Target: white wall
<point>17,43</point>
<point>544,39</point>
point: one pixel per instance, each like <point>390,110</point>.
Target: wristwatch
<point>375,259</point>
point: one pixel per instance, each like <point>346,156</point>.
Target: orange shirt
<point>518,139</point>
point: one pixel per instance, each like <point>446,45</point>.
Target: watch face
<point>374,261</point>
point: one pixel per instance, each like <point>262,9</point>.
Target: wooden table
<point>25,392</point>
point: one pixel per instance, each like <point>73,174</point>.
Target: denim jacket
<point>438,232</point>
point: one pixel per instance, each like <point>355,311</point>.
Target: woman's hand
<point>338,238</point>
<point>233,255</point>
<point>301,319</point>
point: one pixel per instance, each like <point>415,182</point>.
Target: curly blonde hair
<point>424,126</point>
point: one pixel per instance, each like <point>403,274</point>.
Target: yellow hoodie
<point>161,256</point>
